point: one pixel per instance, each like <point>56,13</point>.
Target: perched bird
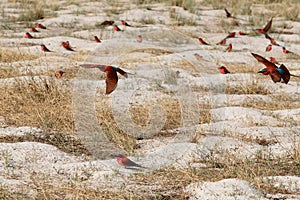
<point>284,50</point>
<point>223,70</point>
<point>201,41</point>
<point>231,35</point>
<point>277,74</point>
<point>126,162</point>
<point>124,23</point>
<point>107,23</point>
<point>269,47</point>
<point>222,42</point>
<point>229,48</point>
<point>139,38</point>
<point>242,33</point>
<point>273,60</point>
<point>40,26</point>
<point>59,74</point>
<point>116,28</point>
<point>32,29</point>
<point>28,35</point>
<point>96,39</point>
<point>111,75</point>
<point>44,48</point>
<point>266,28</point>
<point>272,40</point>
<point>66,45</point>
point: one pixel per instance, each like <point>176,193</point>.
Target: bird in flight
<point>111,75</point>
<point>266,28</point>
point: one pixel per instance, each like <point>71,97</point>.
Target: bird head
<point>264,70</point>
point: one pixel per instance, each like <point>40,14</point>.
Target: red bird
<point>139,38</point>
<point>40,26</point>
<point>269,47</point>
<point>28,35</point>
<point>126,162</point>
<point>32,29</point>
<point>228,14</point>
<point>284,50</point>
<point>273,60</point>
<point>242,33</point>
<point>266,28</point>
<point>222,42</point>
<point>124,23</point>
<point>223,70</point>
<point>66,45</point>
<point>44,48</point>
<point>96,39</point>
<point>202,41</point>
<point>116,28</point>
<point>229,48</point>
<point>111,75</point>
<point>59,74</point>
<point>271,69</point>
<point>231,35</point>
<point>272,40</point>
<point>107,23</point>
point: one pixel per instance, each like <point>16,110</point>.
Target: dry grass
<point>9,55</point>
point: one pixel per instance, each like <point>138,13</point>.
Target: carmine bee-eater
<point>272,40</point>
<point>40,26</point>
<point>44,48</point>
<point>201,41</point>
<point>107,23</point>
<point>96,39</point>
<point>111,75</point>
<point>242,33</point>
<point>273,60</point>
<point>66,45</point>
<point>266,28</point>
<point>59,74</point>
<point>269,47</point>
<point>277,73</point>
<point>230,35</point>
<point>222,42</point>
<point>124,23</point>
<point>32,29</point>
<point>116,28</point>
<point>284,50</point>
<point>126,162</point>
<point>223,70</point>
<point>139,38</point>
<point>229,48</point>
<point>28,35</point>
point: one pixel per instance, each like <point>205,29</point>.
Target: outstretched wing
<point>228,14</point>
<point>122,72</point>
<point>111,80</point>
<point>268,64</point>
<point>101,67</point>
<point>268,25</point>
<point>286,74</point>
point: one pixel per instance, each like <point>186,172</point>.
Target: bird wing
<point>286,74</point>
<point>268,25</point>
<point>275,75</point>
<point>268,64</point>
<point>101,67</point>
<point>122,72</point>
<point>111,80</point>
<point>228,14</point>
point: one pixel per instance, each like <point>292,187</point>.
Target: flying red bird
<point>139,38</point>
<point>66,45</point>
<point>229,48</point>
<point>96,39</point>
<point>124,23</point>
<point>116,28</point>
<point>28,35</point>
<point>44,48</point>
<point>32,29</point>
<point>273,60</point>
<point>231,35</point>
<point>111,75</point>
<point>272,40</point>
<point>228,14</point>
<point>223,70</point>
<point>266,28</point>
<point>59,74</point>
<point>284,50</point>
<point>201,41</point>
<point>277,73</point>
<point>40,26</point>
<point>126,162</point>
<point>222,42</point>
<point>269,47</point>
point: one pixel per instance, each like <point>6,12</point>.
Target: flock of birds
<point>277,74</point>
